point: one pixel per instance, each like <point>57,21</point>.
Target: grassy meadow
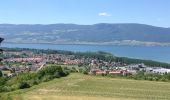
<point>83,87</point>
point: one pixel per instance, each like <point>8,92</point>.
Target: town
<point>15,62</point>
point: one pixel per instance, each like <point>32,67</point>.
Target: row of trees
<point>151,77</point>
<point>26,80</point>
<point>146,62</point>
<point>144,76</point>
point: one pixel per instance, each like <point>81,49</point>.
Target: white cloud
<point>104,14</point>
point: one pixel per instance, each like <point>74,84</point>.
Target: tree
<point>51,70</point>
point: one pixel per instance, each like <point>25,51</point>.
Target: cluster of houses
<point>125,69</point>
<point>20,65</point>
<point>63,59</point>
<point>24,59</point>
<point>14,63</point>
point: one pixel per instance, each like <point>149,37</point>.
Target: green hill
<point>82,87</point>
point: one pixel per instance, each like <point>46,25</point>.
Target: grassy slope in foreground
<point>83,87</point>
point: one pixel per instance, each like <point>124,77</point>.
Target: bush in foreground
<point>23,85</point>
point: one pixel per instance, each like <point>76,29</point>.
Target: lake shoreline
<point>156,53</point>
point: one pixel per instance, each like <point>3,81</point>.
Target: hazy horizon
<point>88,12</point>
<point>77,24</point>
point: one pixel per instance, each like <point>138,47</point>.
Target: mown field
<point>83,87</point>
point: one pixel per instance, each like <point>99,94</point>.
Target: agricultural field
<point>85,87</point>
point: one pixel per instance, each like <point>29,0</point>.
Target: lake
<point>157,53</point>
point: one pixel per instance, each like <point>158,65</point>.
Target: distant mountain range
<point>103,33</point>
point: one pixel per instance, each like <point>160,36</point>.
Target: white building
<point>161,70</point>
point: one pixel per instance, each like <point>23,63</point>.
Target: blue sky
<point>152,12</point>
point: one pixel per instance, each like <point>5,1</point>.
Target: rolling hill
<point>85,87</point>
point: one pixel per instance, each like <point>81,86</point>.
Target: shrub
<point>66,72</point>
<point>73,69</point>
<point>2,80</point>
<point>6,89</point>
<point>85,72</point>
<point>1,73</point>
<point>47,78</point>
<point>50,70</point>
<point>35,82</point>
<point>23,85</point>
<point>57,75</point>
